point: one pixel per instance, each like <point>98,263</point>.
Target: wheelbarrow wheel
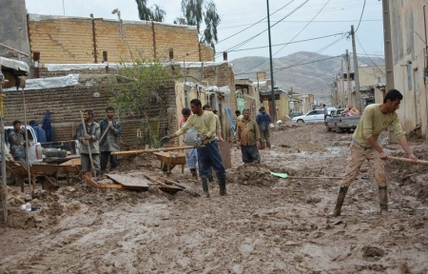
<point>10,178</point>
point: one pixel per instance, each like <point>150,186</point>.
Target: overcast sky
<point>243,30</point>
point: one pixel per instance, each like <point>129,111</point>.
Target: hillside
<point>306,72</point>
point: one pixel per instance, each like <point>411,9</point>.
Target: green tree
<point>155,13</point>
<point>140,91</point>
<point>196,11</point>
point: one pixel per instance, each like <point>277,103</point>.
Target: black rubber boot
<point>339,203</point>
<point>383,198</point>
<point>222,185</point>
<point>206,193</point>
<point>194,173</point>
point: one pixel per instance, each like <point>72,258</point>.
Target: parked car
<point>295,114</point>
<point>313,116</point>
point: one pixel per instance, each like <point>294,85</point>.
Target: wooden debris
<point>170,181</point>
<point>114,186</point>
<point>130,182</point>
<point>163,186</point>
<point>151,150</point>
<point>90,181</point>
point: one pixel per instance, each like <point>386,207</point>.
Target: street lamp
<point>117,11</point>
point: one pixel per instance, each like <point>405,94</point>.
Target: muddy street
<point>267,224</point>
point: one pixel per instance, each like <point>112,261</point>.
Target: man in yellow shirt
<point>364,146</point>
<point>208,156</point>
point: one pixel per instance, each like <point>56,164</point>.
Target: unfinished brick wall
<point>71,40</point>
<point>65,104</point>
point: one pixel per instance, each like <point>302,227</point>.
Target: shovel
<point>422,162</point>
<point>89,145</point>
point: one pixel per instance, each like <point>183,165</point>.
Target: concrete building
<point>409,52</point>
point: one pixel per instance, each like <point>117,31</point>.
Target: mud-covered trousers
<point>209,157</point>
<point>86,162</point>
<point>357,156</point>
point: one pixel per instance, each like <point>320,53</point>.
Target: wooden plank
<point>72,162</point>
<point>166,180</point>
<point>150,150</point>
<point>129,181</point>
<point>155,180</point>
<point>224,149</point>
<point>91,182</point>
<point>44,169</point>
<point>115,186</point>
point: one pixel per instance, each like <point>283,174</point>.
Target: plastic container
<point>28,207</point>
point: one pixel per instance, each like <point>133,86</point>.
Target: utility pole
<point>356,77</point>
<point>271,67</point>
<point>342,86</point>
<point>3,187</point>
<point>348,80</point>
<point>389,67</point>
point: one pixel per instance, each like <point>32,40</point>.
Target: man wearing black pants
<point>110,141</point>
<point>208,155</point>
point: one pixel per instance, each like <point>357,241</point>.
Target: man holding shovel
<point>109,141</point>
<point>208,154</point>
<point>364,146</point>
<point>88,135</point>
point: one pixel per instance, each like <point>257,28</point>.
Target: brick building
<point>79,40</point>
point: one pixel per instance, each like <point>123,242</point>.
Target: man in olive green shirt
<point>248,139</point>
<point>208,155</point>
<point>364,146</point>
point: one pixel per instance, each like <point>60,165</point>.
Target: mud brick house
<point>80,87</point>
<point>90,50</point>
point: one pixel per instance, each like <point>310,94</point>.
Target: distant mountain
<point>306,72</point>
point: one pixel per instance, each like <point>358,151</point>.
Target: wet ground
<point>266,225</point>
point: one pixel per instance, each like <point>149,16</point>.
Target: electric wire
<point>361,16</point>
<point>244,29</point>
<point>303,27</point>
<point>293,42</point>
<point>371,60</point>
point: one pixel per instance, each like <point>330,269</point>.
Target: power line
<point>254,36</point>
<point>298,65</point>
<point>361,17</point>
<point>244,30</point>
<point>295,42</point>
<point>252,25</point>
<point>371,60</point>
<point>304,27</point>
<point>296,9</point>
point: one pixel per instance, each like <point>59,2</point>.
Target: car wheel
<point>300,121</point>
<point>338,129</point>
<point>327,127</point>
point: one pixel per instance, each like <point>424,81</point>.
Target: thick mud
<point>266,225</point>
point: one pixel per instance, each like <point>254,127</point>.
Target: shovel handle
<point>407,160</point>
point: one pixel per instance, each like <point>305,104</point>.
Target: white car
<point>313,116</point>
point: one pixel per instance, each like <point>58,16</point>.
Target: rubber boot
<point>206,193</point>
<point>222,185</point>
<point>339,203</point>
<point>194,173</point>
<point>383,198</point>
